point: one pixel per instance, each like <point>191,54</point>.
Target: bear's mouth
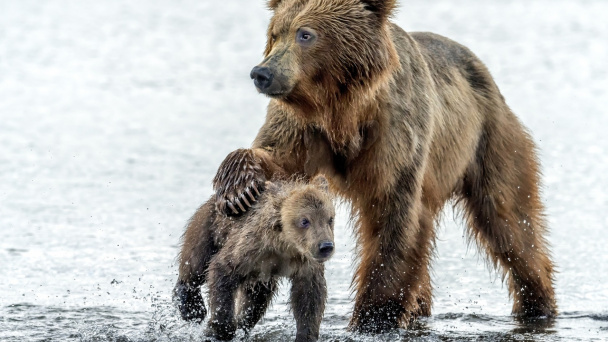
<point>276,95</point>
<point>323,259</point>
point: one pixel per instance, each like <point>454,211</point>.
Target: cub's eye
<point>304,223</point>
<point>305,36</point>
<point>331,221</point>
<point>273,38</point>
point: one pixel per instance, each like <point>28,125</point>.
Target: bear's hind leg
<point>197,249</point>
<point>505,215</point>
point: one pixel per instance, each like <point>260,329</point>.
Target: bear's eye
<point>273,38</point>
<point>331,221</point>
<point>305,36</point>
<point>304,223</point>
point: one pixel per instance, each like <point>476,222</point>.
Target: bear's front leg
<point>238,182</point>
<point>395,241</point>
<point>241,178</point>
<point>223,283</point>
<point>308,296</point>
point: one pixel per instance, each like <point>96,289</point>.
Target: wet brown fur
<point>242,258</point>
<point>445,132</point>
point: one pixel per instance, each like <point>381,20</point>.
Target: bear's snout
<point>262,78</point>
<point>270,82</point>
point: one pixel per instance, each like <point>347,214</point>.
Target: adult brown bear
<point>444,132</point>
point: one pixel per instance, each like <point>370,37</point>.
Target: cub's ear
<point>320,182</point>
<point>383,8</point>
<point>273,4</point>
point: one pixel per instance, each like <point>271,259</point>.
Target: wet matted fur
<point>242,258</point>
<point>444,132</point>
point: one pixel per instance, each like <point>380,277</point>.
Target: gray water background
<point>114,116</point>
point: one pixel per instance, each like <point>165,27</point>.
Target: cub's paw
<point>238,182</point>
<point>189,302</point>
<point>220,331</point>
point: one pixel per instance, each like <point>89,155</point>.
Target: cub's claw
<point>238,182</point>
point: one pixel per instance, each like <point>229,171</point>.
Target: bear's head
<point>307,219</point>
<point>321,50</point>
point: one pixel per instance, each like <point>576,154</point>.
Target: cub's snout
<point>325,251</point>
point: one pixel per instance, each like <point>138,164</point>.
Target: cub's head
<point>307,217</point>
<point>320,49</point>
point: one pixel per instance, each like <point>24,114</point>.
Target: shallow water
<point>115,116</point>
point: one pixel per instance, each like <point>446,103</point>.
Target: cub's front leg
<point>255,300</point>
<point>223,284</point>
<point>308,296</point>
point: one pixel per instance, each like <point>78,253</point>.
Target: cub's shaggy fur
<point>444,132</point>
<point>289,233</point>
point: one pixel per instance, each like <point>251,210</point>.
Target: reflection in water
<point>538,326</point>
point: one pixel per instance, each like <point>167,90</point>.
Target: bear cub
<point>287,233</point>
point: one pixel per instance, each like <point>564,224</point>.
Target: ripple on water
<point>24,321</point>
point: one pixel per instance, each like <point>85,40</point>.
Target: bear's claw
<point>238,178</point>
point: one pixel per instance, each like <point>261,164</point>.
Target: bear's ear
<point>382,8</point>
<point>320,182</point>
<point>273,4</point>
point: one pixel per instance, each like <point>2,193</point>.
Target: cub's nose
<point>262,77</point>
<point>326,248</point>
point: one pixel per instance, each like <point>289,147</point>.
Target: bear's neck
<point>341,116</point>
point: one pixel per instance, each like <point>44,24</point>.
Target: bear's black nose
<point>326,247</point>
<point>262,77</point>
